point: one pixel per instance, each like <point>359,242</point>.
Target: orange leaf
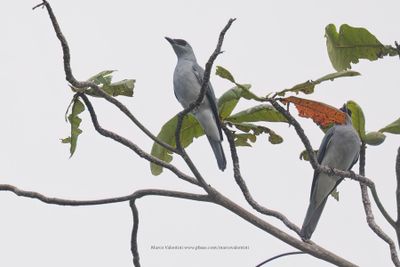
<point>322,114</point>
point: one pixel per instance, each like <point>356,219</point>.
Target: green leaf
<point>124,87</point>
<point>335,194</point>
<point>190,129</point>
<point>351,44</point>
<point>228,101</point>
<point>263,112</point>
<point>256,130</point>
<point>75,121</point>
<point>225,74</point>
<point>243,139</point>
<point>393,128</point>
<point>103,80</point>
<point>357,116</point>
<point>308,86</point>
<point>374,138</point>
<point>305,156</point>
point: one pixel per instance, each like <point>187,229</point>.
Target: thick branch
<point>243,187</point>
<point>131,145</point>
<point>308,247</point>
<point>82,85</point>
<point>370,216</point>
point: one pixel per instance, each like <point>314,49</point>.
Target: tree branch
<point>397,227</point>
<point>71,202</point>
<point>246,193</point>
<point>131,145</point>
<point>370,216</point>
<point>82,85</point>
<point>135,228</point>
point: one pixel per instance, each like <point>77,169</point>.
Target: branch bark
<point>370,216</point>
<point>246,192</point>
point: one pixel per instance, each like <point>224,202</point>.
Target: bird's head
<point>182,48</point>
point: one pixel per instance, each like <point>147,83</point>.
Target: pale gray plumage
<point>339,149</point>
<point>188,76</point>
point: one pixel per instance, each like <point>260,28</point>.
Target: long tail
<point>218,152</point>
<point>312,217</point>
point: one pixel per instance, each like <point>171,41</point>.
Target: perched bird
<point>188,77</point>
<point>339,149</point>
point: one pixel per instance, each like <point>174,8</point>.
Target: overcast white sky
<point>273,45</point>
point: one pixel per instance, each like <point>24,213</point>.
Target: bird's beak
<point>171,41</point>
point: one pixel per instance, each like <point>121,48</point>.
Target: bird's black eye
<point>180,42</point>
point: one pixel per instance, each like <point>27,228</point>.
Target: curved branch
<point>131,145</point>
<point>82,85</point>
<point>370,216</point>
<point>246,193</point>
<point>135,228</point>
<point>70,202</point>
<point>279,256</point>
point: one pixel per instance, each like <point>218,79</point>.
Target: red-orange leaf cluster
<point>321,113</point>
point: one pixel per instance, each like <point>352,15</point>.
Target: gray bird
<point>339,149</point>
<point>188,77</point>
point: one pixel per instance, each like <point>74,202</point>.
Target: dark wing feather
<point>199,73</point>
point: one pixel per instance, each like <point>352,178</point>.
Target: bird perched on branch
<point>339,149</point>
<point>188,78</point>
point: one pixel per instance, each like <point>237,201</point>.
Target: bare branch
<point>397,227</point>
<point>279,256</point>
<point>135,228</point>
<point>370,216</point>
<point>70,202</point>
<point>246,193</point>
<point>131,145</point>
<point>308,247</point>
<point>82,85</point>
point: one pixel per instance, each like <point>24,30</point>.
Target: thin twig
<point>246,193</point>
<point>279,256</point>
<point>192,106</point>
<point>131,145</point>
<point>82,85</point>
<point>135,228</point>
<point>398,195</point>
<point>368,211</point>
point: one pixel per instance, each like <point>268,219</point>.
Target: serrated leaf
<point>228,101</point>
<point>77,108</point>
<point>357,117</point>
<point>263,112</point>
<point>257,130</point>
<point>374,138</point>
<point>393,128</point>
<point>350,44</point>
<point>321,113</point>
<point>190,129</point>
<point>308,86</point>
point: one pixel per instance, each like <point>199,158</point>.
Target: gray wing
<point>321,153</point>
<point>199,73</point>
